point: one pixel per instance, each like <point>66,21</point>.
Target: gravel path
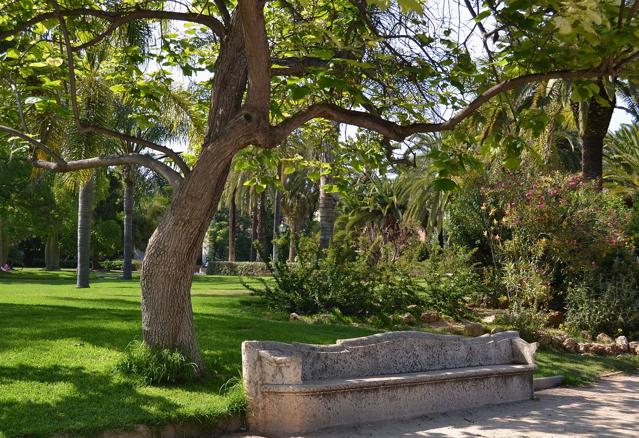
<point>609,408</point>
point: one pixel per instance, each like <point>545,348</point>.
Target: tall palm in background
<point>621,161</point>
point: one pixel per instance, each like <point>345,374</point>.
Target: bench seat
<point>298,388</point>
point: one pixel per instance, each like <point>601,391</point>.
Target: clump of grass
<point>233,390</point>
<point>153,366</point>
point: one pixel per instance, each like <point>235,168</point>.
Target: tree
<point>380,67</point>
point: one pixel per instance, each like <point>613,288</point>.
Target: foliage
<point>609,305</point>
<point>116,265</point>
<point>155,366</point>
<point>451,280</point>
<point>338,279</point>
<point>242,269</point>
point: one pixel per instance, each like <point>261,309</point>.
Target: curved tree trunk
<point>127,243</point>
<point>232,227</point>
<point>595,128</point>
<point>52,251</point>
<point>167,270</point>
<point>85,213</point>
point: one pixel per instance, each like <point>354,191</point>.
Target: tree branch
<point>36,143</point>
<point>169,174</point>
<point>120,18</point>
<point>397,132</point>
<point>257,55</point>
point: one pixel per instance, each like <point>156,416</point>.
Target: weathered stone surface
<point>622,344</point>
<point>474,329</point>
<point>634,347</point>
<point>429,316</point>
<point>294,317</point>
<point>583,347</point>
<point>542,383</point>
<point>554,318</point>
<point>597,348</point>
<point>488,319</point>
<point>292,388</point>
<point>570,345</point>
<point>408,318</point>
<point>603,338</point>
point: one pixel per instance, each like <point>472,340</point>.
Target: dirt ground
<point>608,408</point>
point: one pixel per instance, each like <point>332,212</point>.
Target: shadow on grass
<point>95,402</point>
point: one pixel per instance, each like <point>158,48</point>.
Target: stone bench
<point>293,388</point>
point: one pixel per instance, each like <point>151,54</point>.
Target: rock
<point>634,347</point>
<point>558,341</point>
<point>610,350</point>
<point>488,319</point>
<point>294,317</point>
<point>429,316</point>
<point>622,343</point>
<point>497,329</point>
<point>603,338</point>
<point>544,339</point>
<point>570,345</point>
<point>408,318</point>
<point>554,318</point>
<point>474,329</point>
<point>583,347</point>
<point>598,348</point>
<point>586,335</point>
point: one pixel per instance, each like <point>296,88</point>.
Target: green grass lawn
<point>59,344</point>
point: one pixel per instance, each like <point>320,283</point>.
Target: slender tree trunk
<point>85,213</point>
<point>261,226</point>
<point>52,251</point>
<point>327,202</point>
<point>232,227</point>
<point>254,219</point>
<point>595,128</point>
<point>277,215</point>
<point>127,243</point>
<point>4,245</point>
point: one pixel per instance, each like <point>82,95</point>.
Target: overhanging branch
<point>397,132</point>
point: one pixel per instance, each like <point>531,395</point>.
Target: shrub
<point>338,279</point>
<point>609,305</point>
<point>246,269</point>
<point>156,366</point>
<point>118,265</point>
<point>451,280</point>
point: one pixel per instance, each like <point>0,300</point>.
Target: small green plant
<point>153,366</point>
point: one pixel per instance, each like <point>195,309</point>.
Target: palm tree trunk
<point>327,203</point>
<point>277,215</point>
<point>595,128</point>
<point>261,227</point>
<point>294,230</point>
<point>232,227</point>
<point>254,220</point>
<point>4,245</point>
<point>52,251</point>
<point>85,213</point>
<point>127,243</point>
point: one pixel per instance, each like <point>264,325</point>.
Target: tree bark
<point>52,251</point>
<point>327,202</point>
<point>127,244</point>
<point>167,270</point>
<point>595,128</point>
<point>232,227</point>
<point>85,213</point>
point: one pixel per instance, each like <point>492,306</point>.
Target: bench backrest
<point>382,354</point>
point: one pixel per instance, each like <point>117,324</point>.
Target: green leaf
<point>444,184</point>
<point>411,6</point>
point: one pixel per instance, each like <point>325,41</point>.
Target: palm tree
<point>621,161</point>
<point>299,201</point>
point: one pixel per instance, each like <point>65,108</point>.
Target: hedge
<point>247,269</point>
